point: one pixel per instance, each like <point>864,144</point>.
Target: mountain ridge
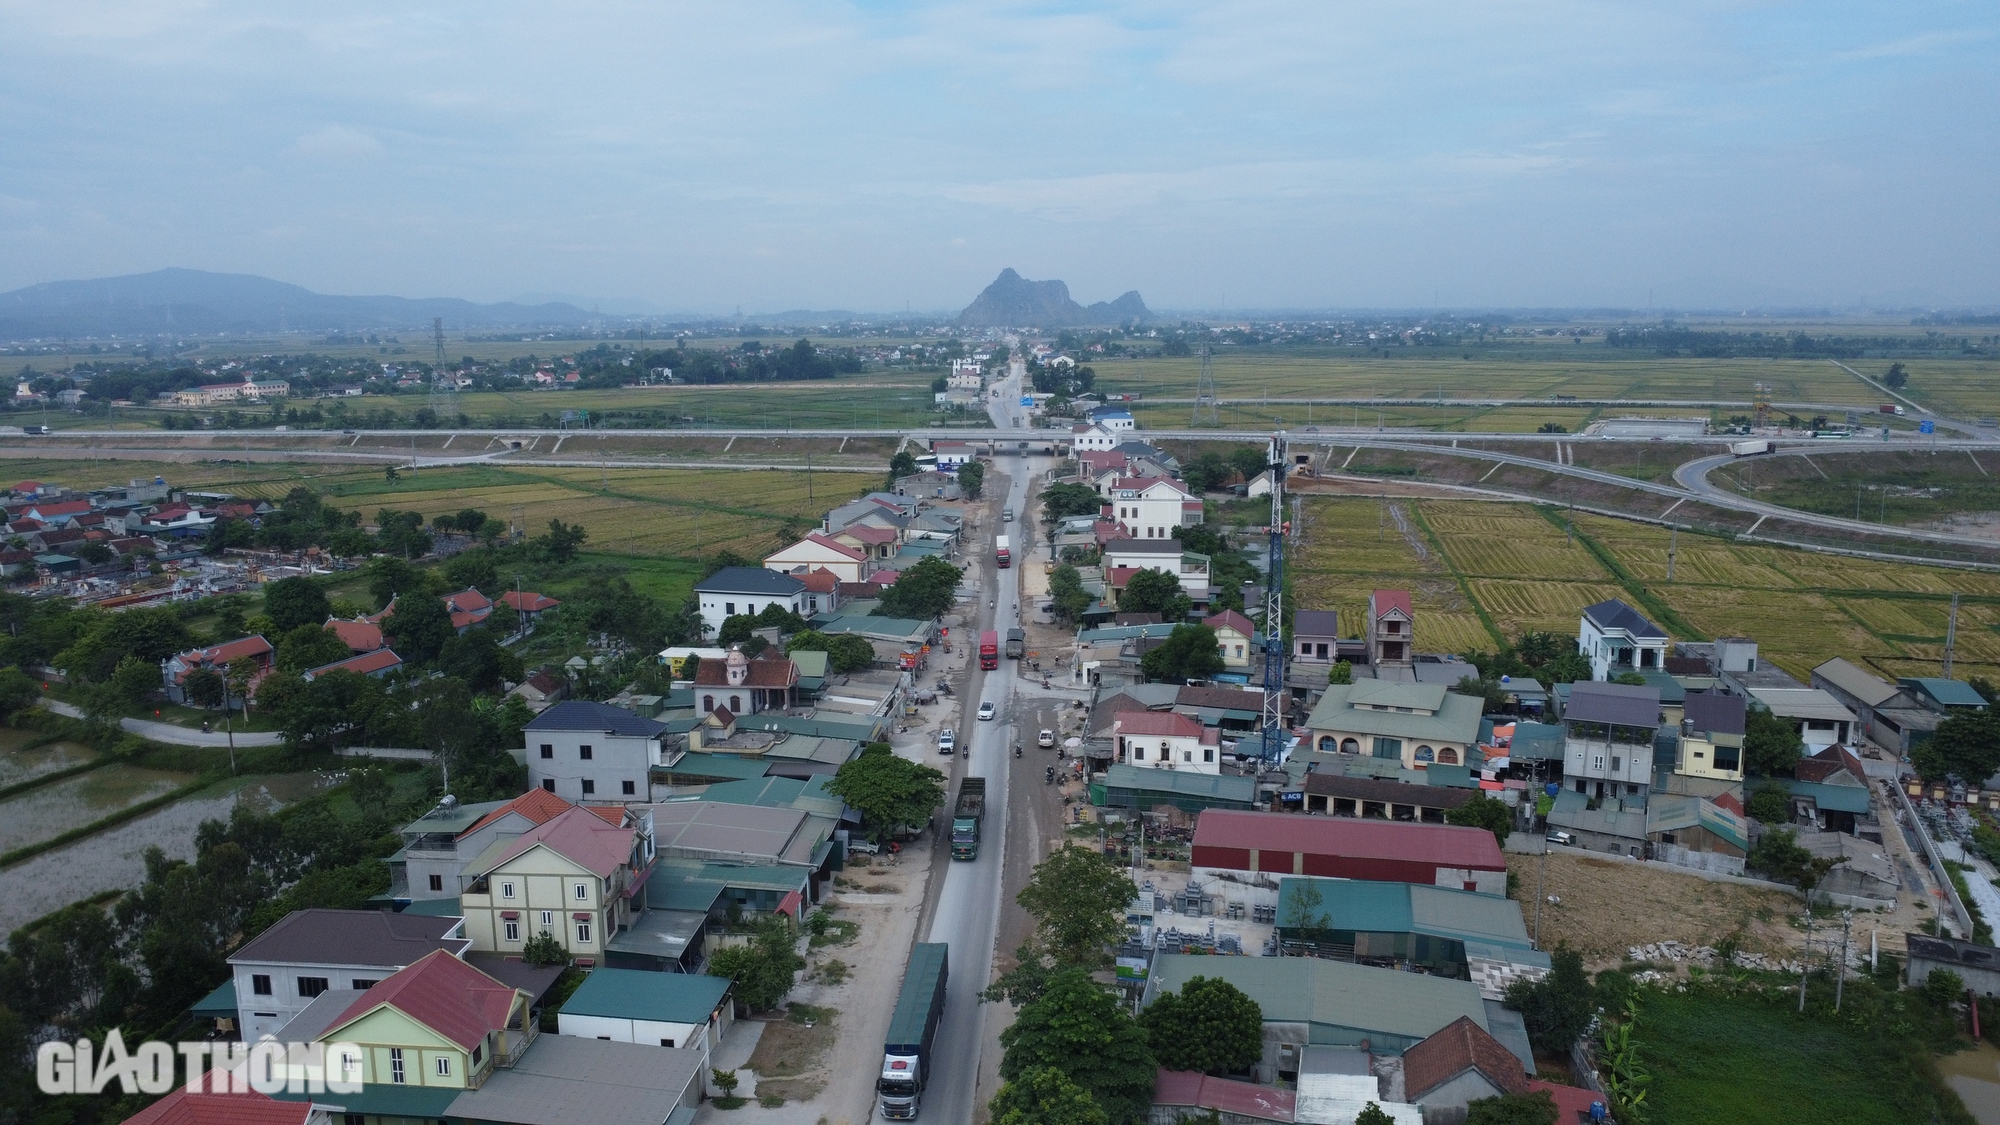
<point>1014,301</point>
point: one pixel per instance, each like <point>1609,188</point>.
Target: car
<point>1563,838</point>
<point>863,847</point>
<point>987,710</point>
<point>1046,739</point>
<point>947,741</point>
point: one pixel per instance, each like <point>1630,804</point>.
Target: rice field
<point>1509,541</point>
<point>1523,606</point>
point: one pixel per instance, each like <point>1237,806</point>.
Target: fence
<point>1913,824</point>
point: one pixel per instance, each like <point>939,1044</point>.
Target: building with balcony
<point>1616,639</point>
<point>1608,736</point>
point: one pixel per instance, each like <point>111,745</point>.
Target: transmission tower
<point>444,387</point>
<point>1204,393</point>
<point>1273,724</point>
<point>1761,407</point>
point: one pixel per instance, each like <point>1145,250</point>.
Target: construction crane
<point>1760,407</point>
<point>1278,458</point>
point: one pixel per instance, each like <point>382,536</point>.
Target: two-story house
<point>1712,727</point>
<point>1091,438</point>
<point>1236,640</point>
<point>1392,625</point>
<point>1165,740</point>
<point>1418,725</point>
<point>743,685</point>
<point>438,845</point>
<point>737,590</point>
<point>1608,735</point>
<point>584,752</point>
<point>438,1025</point>
<point>820,552</point>
<point>281,971</point>
<point>1151,508</point>
<point>952,455</point>
<point>574,877</point>
<point>1191,567</point>
<point>1616,639</point>
<point>175,670</point>
<point>1316,636</point>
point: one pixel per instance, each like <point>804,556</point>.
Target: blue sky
<point>773,155</point>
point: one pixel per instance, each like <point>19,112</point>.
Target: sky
<point>878,155</point>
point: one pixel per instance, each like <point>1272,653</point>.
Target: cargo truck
<point>965,818</point>
<point>1889,408</point>
<point>1000,554</point>
<point>1017,644</point>
<point>906,1055</point>
<point>989,650</point>
<point>1749,448</point>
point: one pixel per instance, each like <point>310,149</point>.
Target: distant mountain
<point>1014,301</point>
<point>198,303</point>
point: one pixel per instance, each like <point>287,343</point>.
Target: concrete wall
<point>615,761</point>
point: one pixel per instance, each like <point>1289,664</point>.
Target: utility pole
<point>1805,959</point>
<point>1950,635</point>
<point>1840,980</point>
<point>1673,547</point>
<point>1541,893</point>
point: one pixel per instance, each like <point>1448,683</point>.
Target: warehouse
<point>1254,850</point>
<point>1451,933</point>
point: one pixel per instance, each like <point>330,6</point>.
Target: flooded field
<point>114,859</point>
<point>18,765</point>
<point>1975,1075</point>
<point>74,802</point>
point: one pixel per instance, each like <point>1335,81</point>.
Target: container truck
<point>1749,448</point>
<point>1889,408</point>
<point>906,1055</point>
<point>1017,644</point>
<point>965,818</point>
<point>1000,554</point>
<point>989,650</point>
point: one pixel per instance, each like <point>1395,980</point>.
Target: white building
<point>816,552</point>
<point>749,590</point>
<point>1167,741</point>
<point>1191,567</point>
<point>1093,439</point>
<point>1608,732</point>
<point>1152,507</point>
<point>683,1010</point>
<point>280,971</point>
<point>593,753</point>
<point>1616,639</point>
<point>966,375</point>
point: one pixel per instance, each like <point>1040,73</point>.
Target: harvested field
<point>1795,629</point>
<point>1508,541</point>
<point>1519,607</point>
<point>1609,905</point>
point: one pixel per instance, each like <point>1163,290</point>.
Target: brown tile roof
<point>1233,620</point>
<point>775,674</point>
<point>1461,1046</point>
<point>1226,698</point>
<point>1828,763</point>
<point>360,636</point>
<point>539,805</point>
<point>444,994</point>
<point>213,1107</point>
<point>527,601</point>
<point>578,835</point>
<point>1156,723</point>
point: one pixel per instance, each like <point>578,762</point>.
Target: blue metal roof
<point>579,714</point>
<point>749,580</point>
<point>1615,614</point>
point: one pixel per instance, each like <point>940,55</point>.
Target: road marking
<point>1351,457</point>
<point>1807,458</point>
<point>1977,465</point>
<point>1671,507</point>
<point>1491,471</point>
<point>1755,526</point>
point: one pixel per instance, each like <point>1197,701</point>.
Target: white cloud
<point>337,143</point>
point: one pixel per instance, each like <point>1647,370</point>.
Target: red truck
<point>1000,552</point>
<point>989,650</point>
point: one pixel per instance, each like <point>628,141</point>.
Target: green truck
<point>906,1056</point>
<point>965,818</point>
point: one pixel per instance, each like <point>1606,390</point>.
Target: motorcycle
<point>1017,749</point>
<point>1045,681</point>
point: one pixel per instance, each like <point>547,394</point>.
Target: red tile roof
<point>444,994</point>
<point>528,601</point>
<point>1233,620</point>
<point>1731,802</point>
<point>1572,1102</point>
<point>66,508</point>
<point>1386,600</point>
<point>1459,1046</point>
<point>211,1108</point>
<point>361,664</point>
<point>360,636</point>
<point>842,549</point>
<point>612,814</point>
<point>467,600</point>
<point>584,839</point>
<point>1828,763</point>
<point>759,673</point>
<point>1165,724</point>
<point>215,656</point>
<point>538,805</point>
<point>1193,1088</point>
<point>1442,844</point>
<point>821,581</point>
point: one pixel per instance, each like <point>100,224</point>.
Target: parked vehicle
<point>1750,448</point>
<point>1007,515</point>
<point>906,1053</point>
<point>1564,838</point>
<point>987,710</point>
<point>1017,644</point>
<point>947,741</point>
<point>965,818</point>
<point>859,846</point>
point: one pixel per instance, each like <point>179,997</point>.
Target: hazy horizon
<point>698,158</point>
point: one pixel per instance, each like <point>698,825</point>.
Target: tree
<point>389,576</point>
<point>134,680</point>
<point>1205,472</point>
<point>1066,594</point>
<point>203,687</point>
<point>472,570</point>
<point>1779,854</point>
<point>292,602</point>
<point>922,592</point>
<point>764,969</point>
<point>1189,653</point>
<point>18,692</point>
<point>1078,899</point>
<point>1771,804</point>
<point>1060,501</point>
<point>889,792</point>
<point>310,646</point>
<point>1943,986</point>
<point>1536,1108</point>
<point>1897,378</point>
<point>478,659</point>
<point>1045,1096</point>
<point>1209,1026</point>
<point>1770,746</point>
<point>1155,591</point>
<point>1557,1007</point>
<point>544,949</point>
<point>419,628</point>
<point>845,652</point>
<point>1492,697</point>
<point>1630,679</point>
<point>1966,746</point>
<point>902,464</point>
<point>1372,1114</point>
<point>972,479</point>
<point>1484,812</point>
<point>562,541</point>
<point>1342,672</point>
<point>1077,1028</point>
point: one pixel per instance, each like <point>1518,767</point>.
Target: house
<point>1890,715</point>
<point>358,635</point>
<point>1236,639</point>
<point>1817,716</point>
<point>438,845</point>
<point>1313,1001</point>
<point>1711,736</point>
<point>1316,636</point>
<point>1976,965</point>
<point>1117,419</point>
<point>561,1078</point>
<point>214,1103</point>
<point>1255,849</point>
<point>1190,1095</point>
<point>1089,437</point>
<point>1616,639</point>
<point>821,552</point>
<point>1608,735</point>
<point>541,689</point>
<point>1164,740</point>
<point>374,665</point>
<point>1460,1063</point>
<point>585,751</point>
<point>1139,787</point>
<point>173,520</point>
<point>1829,791</point>
<point>746,590</point>
<point>59,513</point>
<point>1338,794</point>
<point>467,607</point>
<point>952,455</point>
<point>1391,629</point>
<point>745,686</point>
<point>933,485</point>
<point>1151,507</point>
<point>685,1010</point>
<point>1699,832</point>
<point>1943,695</point>
<point>1189,567</point>
<point>1415,724</point>
<point>1442,931</point>
<point>528,604</point>
<point>439,1024</point>
<point>174,670</point>
<point>574,876</point>
<point>282,970</point>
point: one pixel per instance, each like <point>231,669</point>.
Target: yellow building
<point>1712,737</point>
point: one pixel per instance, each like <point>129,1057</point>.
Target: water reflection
<point>1975,1075</point>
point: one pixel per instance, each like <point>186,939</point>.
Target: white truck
<point>1750,448</point>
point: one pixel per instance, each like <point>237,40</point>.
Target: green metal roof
<point>1343,1002</point>
<point>642,994</point>
<point>1355,904</point>
<point>1456,777</point>
<point>381,1099</point>
<point>1836,798</point>
<point>1541,742</point>
<point>1948,693</point>
<point>806,795</point>
<point>435,908</point>
<point>1456,718</point>
<point>220,1004</point>
<point>1143,779</point>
